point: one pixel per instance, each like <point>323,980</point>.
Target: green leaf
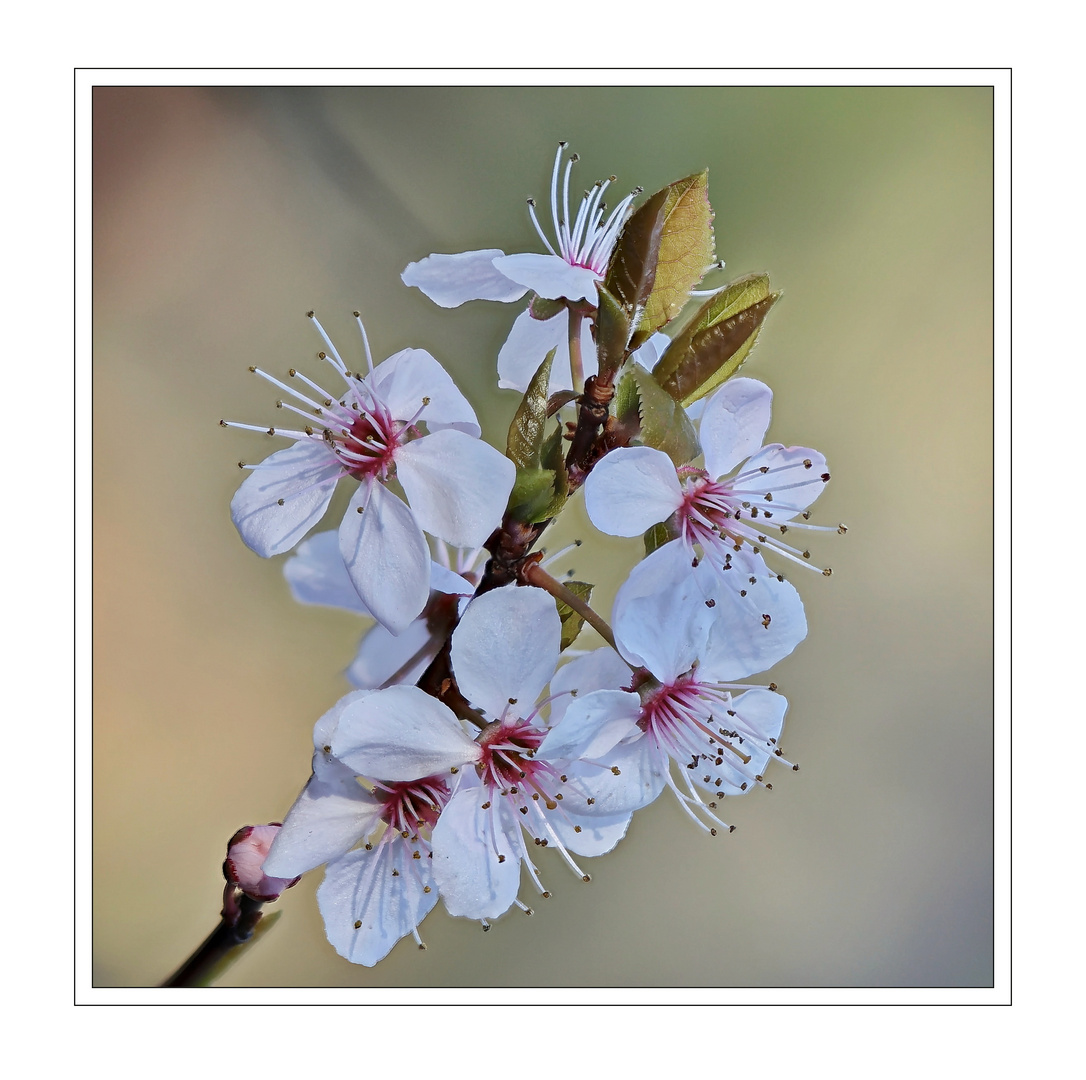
<point>632,270</point>
<point>656,537</point>
<point>664,424</point>
<point>554,460</point>
<point>543,309</point>
<point>533,492</point>
<point>571,621</point>
<point>718,338</point>
<point>524,444</point>
<point>612,334</point>
<point>685,252</point>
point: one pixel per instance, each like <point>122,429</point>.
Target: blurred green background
<point>222,215</point>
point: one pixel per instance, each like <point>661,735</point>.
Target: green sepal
<point>612,334</point>
<point>664,423</point>
<point>533,492</point>
<point>657,536</point>
<point>571,621</point>
<point>542,309</point>
<point>686,250</point>
<point>718,338</point>
<point>525,441</point>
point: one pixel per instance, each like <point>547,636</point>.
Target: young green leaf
<point>632,270</point>
<point>571,621</point>
<point>525,442</point>
<point>664,423</point>
<point>612,334</point>
<point>718,338</point>
<point>685,252</point>
<point>657,536</point>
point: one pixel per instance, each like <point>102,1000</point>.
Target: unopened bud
<point>244,865</point>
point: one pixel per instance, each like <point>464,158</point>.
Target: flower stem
<point>534,574</point>
<point>243,923</point>
<point>576,367</point>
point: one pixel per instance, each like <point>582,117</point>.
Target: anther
<point>710,603</point>
<point>742,592</point>
<point>357,314</point>
<point>501,858</point>
<point>586,877</point>
<point>223,423</point>
<point>454,770</point>
<point>512,701</point>
<point>766,620</point>
<point>615,770</point>
<point>271,431</point>
<point>712,832</point>
<point>426,888</point>
<point>807,463</point>
<point>241,464</point>
<point>763,468</point>
<point>825,477</point>
<point>279,502</point>
<point>576,828</point>
<point>360,509</point>
<point>784,529</point>
<point>485,806</point>
<point>772,686</point>
<point>309,314</point>
<point>842,529</point>
<point>827,572</point>
<point>358,924</point>
<point>769,496</point>
<point>252,369</point>
<point>395,873</point>
<point>806,554</point>
<point>806,515</point>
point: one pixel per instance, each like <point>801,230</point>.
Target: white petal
<point>458,487</point>
<point>642,767</point>
<point>590,834</point>
<point>328,818</point>
<point>529,342</point>
<point>444,580</point>
<point>734,423</point>
<point>601,669</point>
<point>648,354</point>
<point>592,726</point>
<point>304,476</point>
<point>382,655</point>
<point>506,646</point>
<point>549,276</point>
<point>660,616</point>
<point>631,489</point>
<point>361,889</point>
<point>410,377</point>
<point>741,643</point>
<point>316,574</point>
<point>475,865</point>
<point>386,556</point>
<point>326,726</point>
<point>762,710</point>
<point>401,733</point>
<point>451,280</point>
<point>793,484</point>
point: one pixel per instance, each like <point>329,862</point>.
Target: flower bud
<point>244,865</point>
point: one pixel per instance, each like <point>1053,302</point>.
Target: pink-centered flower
<point>743,503</point>
<point>374,895</point>
<point>404,420</point>
<point>681,696</point>
<point>519,784</point>
<point>575,262</point>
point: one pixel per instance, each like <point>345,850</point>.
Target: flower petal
<point>447,581</point>
<point>457,486</point>
<point>592,726</point>
<point>367,908</point>
<point>382,655</point>
<point>601,669</point>
<point>631,489</point>
<point>452,280</point>
<point>734,423</point>
<point>476,867</point>
<point>642,768</point>
<point>550,276</point>
<point>316,574</point>
<point>761,711</point>
<point>660,615</point>
<point>793,483</point>
<point>401,733</point>
<point>590,834</point>
<point>411,377</point>
<point>751,633</point>
<point>506,646</point>
<point>386,556</point>
<point>328,818</point>
<point>527,345</point>
<point>304,477</point>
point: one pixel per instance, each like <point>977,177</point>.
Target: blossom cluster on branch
<point>477,734</point>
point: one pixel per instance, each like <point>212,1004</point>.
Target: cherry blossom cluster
<point>476,734</point>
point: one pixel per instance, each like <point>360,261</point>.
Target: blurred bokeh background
<point>222,215</point>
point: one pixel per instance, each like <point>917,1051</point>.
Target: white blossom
<point>575,262</point>
<point>373,431</point>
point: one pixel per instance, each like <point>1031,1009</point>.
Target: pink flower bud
<point>244,866</point>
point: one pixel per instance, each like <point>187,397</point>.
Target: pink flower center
<point>412,806</point>
<point>509,767</point>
